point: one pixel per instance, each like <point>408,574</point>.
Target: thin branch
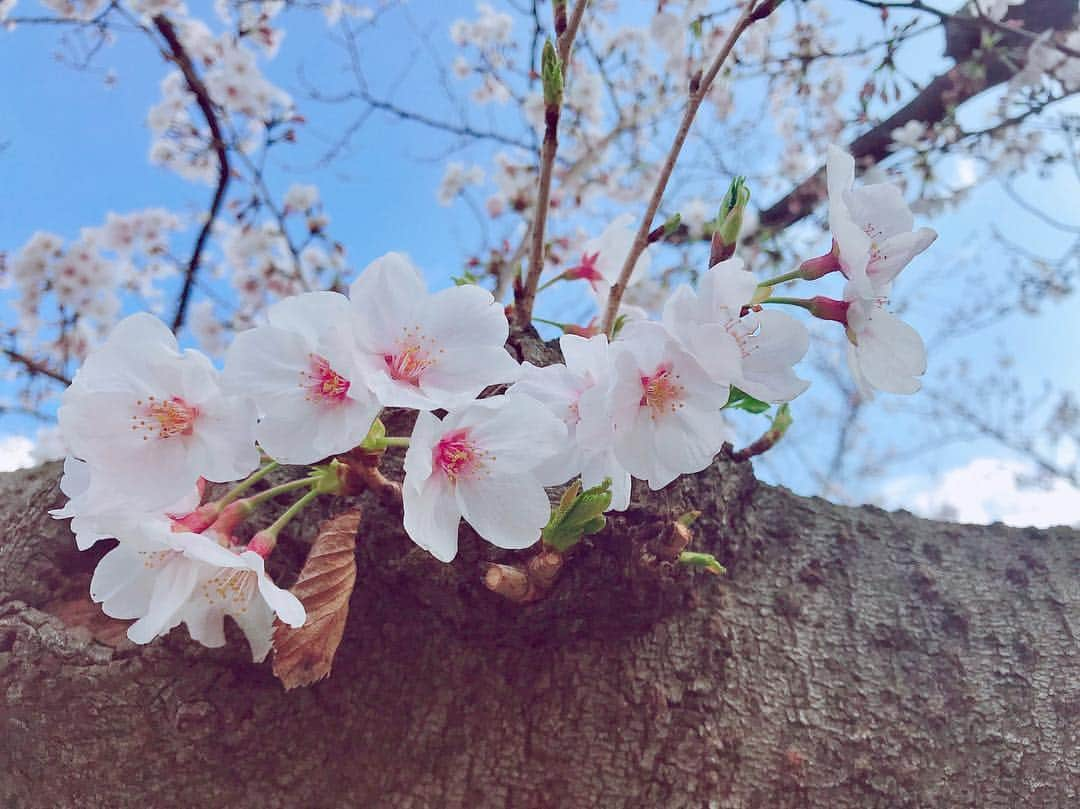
<point>35,367</point>
<point>524,304</point>
<point>700,89</point>
<point>206,105</point>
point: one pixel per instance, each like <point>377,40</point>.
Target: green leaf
<point>465,278</point>
<point>578,514</point>
<point>671,225</point>
<point>705,561</point>
<point>740,400</point>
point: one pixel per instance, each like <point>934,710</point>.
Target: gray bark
<point>851,658</point>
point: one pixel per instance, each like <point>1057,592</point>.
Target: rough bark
<point>852,658</point>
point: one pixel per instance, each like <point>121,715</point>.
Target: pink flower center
<point>661,391</point>
<point>164,418</point>
<point>457,456</point>
<point>586,269</point>
<point>324,384</point>
<point>407,365</point>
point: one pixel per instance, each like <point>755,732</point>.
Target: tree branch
<point>206,105</point>
<point>35,367</point>
<point>945,92</point>
<point>699,89</point>
<point>566,31</point>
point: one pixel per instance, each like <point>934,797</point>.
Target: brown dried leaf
<point>303,656</point>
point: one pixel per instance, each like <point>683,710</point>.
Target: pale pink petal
<point>507,510</point>
<point>432,516</point>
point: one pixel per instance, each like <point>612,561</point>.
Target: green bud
<point>551,74</point>
<point>705,561</point>
<point>689,518</point>
<point>671,225</point>
<point>731,211</point>
<point>782,420</point>
<point>578,514</point>
<point>373,440</point>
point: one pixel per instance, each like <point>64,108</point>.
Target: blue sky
<point>76,149</point>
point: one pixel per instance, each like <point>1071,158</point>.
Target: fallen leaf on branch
<point>304,656</point>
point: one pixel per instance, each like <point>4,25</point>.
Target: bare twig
<point>699,89</point>
<point>35,367</point>
<point>206,105</point>
<point>567,30</point>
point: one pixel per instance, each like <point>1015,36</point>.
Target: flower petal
<point>507,510</point>
<point>432,517</point>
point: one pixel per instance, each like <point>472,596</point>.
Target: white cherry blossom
<point>423,350</point>
<point>602,258</point>
<point>153,419</point>
<point>164,577</point>
<point>579,393</point>
<point>883,352</point>
<point>96,508</point>
<point>754,352</point>
<point>302,372</point>
<point>665,408</point>
<point>872,226</point>
<point>480,463</point>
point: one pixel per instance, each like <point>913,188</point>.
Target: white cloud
<point>986,490</point>
<point>16,452</point>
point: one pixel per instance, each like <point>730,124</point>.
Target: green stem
<point>549,282</point>
<point>394,441</point>
<point>274,491</point>
<point>554,323</point>
<point>794,275</point>
<point>286,516</point>
<point>803,303</point>
<point>244,485</point>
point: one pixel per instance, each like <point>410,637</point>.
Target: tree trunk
<point>851,658</point>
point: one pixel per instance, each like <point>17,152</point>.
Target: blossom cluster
<point>87,276</point>
<point>148,425</point>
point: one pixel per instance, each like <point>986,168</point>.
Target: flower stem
<point>287,515</point>
<point>394,441</point>
<point>794,275</point>
<point>246,484</point>
<point>804,303</point>
<point>819,306</point>
<point>264,541</point>
<point>548,283</point>
<point>274,491</point>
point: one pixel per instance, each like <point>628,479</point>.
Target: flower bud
<point>551,74</point>
<point>730,219</point>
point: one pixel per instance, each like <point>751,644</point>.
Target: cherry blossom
<point>754,352</point>
<point>301,197</point>
<point>163,577</point>
<point>155,419</point>
<point>602,258</point>
<point>579,393</point>
<point>872,227</point>
<point>96,508</point>
<point>301,371</point>
<point>665,408</point>
<point>480,464</point>
<point>883,351</point>
<point>996,9</point>
<point>423,350</point>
